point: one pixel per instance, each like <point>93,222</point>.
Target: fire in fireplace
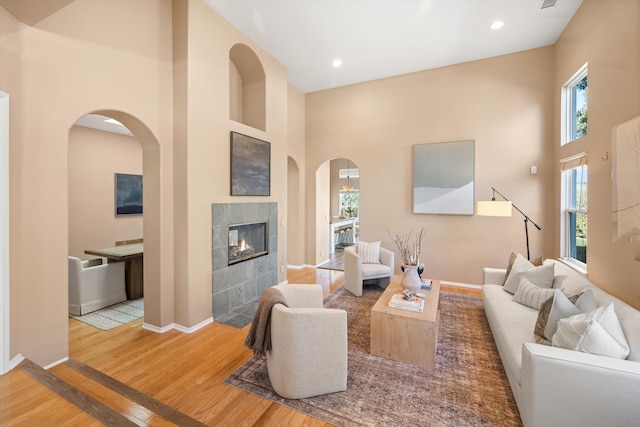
<point>247,241</point>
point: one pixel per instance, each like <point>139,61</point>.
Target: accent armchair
<point>308,354</point>
<point>94,285</point>
<point>357,273</point>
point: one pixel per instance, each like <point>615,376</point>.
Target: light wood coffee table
<point>404,335</point>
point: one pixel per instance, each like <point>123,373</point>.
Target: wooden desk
<point>405,335</point>
<point>133,267</point>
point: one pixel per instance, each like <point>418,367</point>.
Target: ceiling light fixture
<point>337,63</point>
<point>497,25</point>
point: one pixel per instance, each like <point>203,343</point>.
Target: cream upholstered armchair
<point>367,262</point>
<point>308,354</point>
<point>94,285</point>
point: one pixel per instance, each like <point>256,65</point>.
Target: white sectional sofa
<point>556,386</point>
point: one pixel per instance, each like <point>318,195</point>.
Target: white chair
<point>308,354</point>
<point>356,272</point>
<point>94,285</point>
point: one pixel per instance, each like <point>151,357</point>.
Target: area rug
<point>114,315</point>
<point>468,387</point>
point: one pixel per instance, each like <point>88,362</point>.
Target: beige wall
<point>94,157</point>
<point>607,36</point>
<point>502,103</point>
<point>126,68</point>
<point>295,222</point>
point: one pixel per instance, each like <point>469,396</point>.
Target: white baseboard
<point>180,328</point>
<point>284,282</point>
<point>193,328</point>
<point>14,362</point>
<point>51,365</point>
<point>296,267</point>
<point>461,285</point>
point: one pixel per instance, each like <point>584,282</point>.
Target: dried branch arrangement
<point>409,245</point>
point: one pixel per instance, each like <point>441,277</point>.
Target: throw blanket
<point>259,337</point>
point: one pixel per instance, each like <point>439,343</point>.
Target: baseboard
<point>14,362</point>
<point>194,328</point>
<point>461,285</point>
<point>283,282</point>
<point>51,365</point>
<point>157,329</point>
<point>296,267</point>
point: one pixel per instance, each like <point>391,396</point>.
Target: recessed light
<point>497,25</point>
<point>337,63</point>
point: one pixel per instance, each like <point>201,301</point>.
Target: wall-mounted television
<point>128,194</point>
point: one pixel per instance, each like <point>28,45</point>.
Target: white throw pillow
<point>369,252</point>
<point>541,276</point>
<point>531,295</point>
<point>596,332</point>
<point>561,307</point>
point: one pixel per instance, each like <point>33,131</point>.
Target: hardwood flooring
<point>130,376</point>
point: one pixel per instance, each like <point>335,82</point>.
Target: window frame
<point>569,108</point>
<point>340,200</point>
<point>570,207</point>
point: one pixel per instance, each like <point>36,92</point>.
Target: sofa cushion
<point>375,271</point>
<point>531,295</point>
<point>629,319</point>
<point>569,280</point>
<point>595,332</point>
<point>559,307</point>
<point>512,258</point>
<point>541,276</point>
<point>369,252</point>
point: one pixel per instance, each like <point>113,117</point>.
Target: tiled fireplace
<point>245,253</point>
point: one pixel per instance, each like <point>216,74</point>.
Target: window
<point>574,106</point>
<point>574,210</point>
<point>349,203</point>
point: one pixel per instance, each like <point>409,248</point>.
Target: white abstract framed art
<point>443,178</point>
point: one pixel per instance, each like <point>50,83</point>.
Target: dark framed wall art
<point>128,194</point>
<point>250,166</point>
<point>443,178</point>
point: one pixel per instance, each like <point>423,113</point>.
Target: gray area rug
<point>115,315</point>
<point>467,388</point>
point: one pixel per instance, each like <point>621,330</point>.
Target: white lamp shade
<point>493,208</point>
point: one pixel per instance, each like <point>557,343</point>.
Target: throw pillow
<point>596,332</point>
<point>560,307</point>
<point>531,295</point>
<point>369,252</point>
<point>541,276</point>
<point>512,258</point>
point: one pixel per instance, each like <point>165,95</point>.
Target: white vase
<point>411,280</point>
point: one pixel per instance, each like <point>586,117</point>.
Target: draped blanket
<point>259,336</point>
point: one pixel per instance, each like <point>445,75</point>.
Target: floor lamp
<point>503,208</point>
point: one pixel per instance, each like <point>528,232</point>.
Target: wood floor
<point>151,379</point>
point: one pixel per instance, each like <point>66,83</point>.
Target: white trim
<point>284,282</point>
<point>5,306</point>
<point>194,328</point>
<point>295,267</point>
<point>179,328</point>
<point>56,363</point>
<point>461,285</point>
<point>16,361</point>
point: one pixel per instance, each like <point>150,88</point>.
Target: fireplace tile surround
<point>238,284</point>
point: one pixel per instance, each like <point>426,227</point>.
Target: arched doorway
<point>150,228</point>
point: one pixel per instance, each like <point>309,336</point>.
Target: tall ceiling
<point>382,38</point>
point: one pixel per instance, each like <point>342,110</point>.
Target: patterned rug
<point>114,315</point>
<point>467,388</point>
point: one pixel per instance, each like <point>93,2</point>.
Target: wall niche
<point>246,87</point>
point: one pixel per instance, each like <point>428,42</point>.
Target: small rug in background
<point>468,387</point>
<point>114,315</point>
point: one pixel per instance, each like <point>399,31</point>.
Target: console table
<point>405,335</point>
<point>133,268</point>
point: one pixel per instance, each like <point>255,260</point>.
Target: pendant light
<point>347,182</point>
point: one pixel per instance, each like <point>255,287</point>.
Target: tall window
<point>349,203</point>
<point>574,106</point>
<point>574,209</point>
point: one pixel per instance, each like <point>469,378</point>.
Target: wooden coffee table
<point>404,335</point>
